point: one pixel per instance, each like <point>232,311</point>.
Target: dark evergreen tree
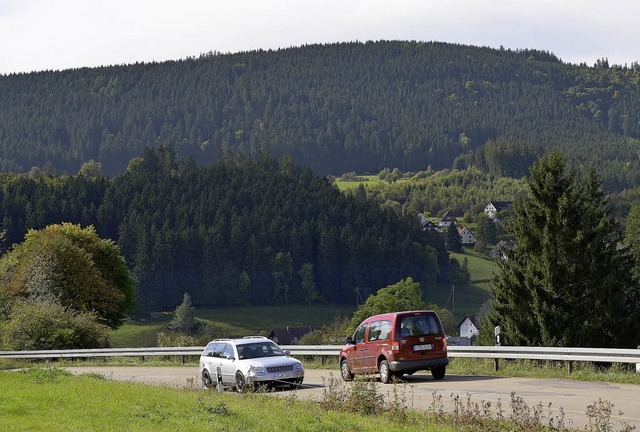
<point>567,282</point>
<point>454,241</point>
<point>486,230</point>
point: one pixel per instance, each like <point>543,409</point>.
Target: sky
<point>38,35</point>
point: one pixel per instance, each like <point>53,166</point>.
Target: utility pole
<point>453,298</point>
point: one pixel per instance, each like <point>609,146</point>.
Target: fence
<point>491,352</point>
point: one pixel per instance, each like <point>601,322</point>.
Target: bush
<point>48,325</point>
<point>332,334</point>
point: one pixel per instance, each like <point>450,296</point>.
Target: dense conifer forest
<point>216,166</point>
<point>242,231</point>
<point>335,108</point>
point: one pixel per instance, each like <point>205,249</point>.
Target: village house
<point>447,219</point>
<point>498,250</point>
<point>289,335</point>
<point>494,207</point>
<point>466,237</point>
<point>469,326</point>
<point>426,224</point>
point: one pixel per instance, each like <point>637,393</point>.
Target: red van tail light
<point>395,346</point>
<point>444,343</point>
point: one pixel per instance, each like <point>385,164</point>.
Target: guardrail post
<point>495,365</point>
<point>569,367</point>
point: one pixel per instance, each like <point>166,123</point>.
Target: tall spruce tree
<point>568,282</point>
<point>632,235</point>
<point>454,241</point>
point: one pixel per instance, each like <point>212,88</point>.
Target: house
<point>466,238</point>
<point>426,224</point>
<point>495,206</point>
<point>469,327</point>
<point>289,335</point>
<point>447,219</point>
<point>498,250</point>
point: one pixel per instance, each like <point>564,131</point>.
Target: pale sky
<point>62,34</point>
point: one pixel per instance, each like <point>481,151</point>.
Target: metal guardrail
<point>547,353</point>
<point>492,352</point>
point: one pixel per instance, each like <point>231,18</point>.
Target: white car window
<point>228,351</point>
<point>208,351</point>
<point>218,350</point>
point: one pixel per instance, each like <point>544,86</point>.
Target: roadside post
<point>496,332</point>
<point>219,385</point>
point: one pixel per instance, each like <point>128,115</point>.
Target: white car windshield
<point>259,349</point>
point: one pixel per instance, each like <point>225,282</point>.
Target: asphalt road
<point>573,397</point>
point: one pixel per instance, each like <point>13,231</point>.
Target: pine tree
<point>567,283</point>
<point>632,235</point>
<point>183,316</point>
<point>454,241</point>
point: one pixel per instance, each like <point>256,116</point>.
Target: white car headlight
<point>257,369</point>
<point>297,367</point>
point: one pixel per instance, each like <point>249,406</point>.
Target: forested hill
<point>336,108</point>
<point>241,231</point>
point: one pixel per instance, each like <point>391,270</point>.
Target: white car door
<point>228,364</point>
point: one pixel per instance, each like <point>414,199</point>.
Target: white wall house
<point>466,238</point>
<point>494,207</point>
<point>468,327</point>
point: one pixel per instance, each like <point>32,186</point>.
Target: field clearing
<point>367,180</point>
<point>240,320</point>
<point>466,299</point>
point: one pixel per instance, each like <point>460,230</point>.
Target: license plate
<point>422,347</point>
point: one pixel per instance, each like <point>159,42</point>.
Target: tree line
<point>242,231</point>
<point>335,108</point>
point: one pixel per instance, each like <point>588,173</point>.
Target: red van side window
<point>379,330</point>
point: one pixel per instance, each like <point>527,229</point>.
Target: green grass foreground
<point>53,400</point>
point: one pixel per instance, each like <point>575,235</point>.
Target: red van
<point>394,344</point>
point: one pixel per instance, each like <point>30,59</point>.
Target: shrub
<point>43,325</point>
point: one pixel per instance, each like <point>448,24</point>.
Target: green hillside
<point>233,321</point>
<point>335,108</point>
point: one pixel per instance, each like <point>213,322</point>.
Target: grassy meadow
<point>53,400</point>
<point>229,321</point>
<point>260,320</point>
<point>466,299</point>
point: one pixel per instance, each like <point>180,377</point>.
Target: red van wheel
<point>345,371</point>
<point>438,373</point>
<point>385,372</point>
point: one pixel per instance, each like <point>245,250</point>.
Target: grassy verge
<point>52,400</point>
<point>581,371</point>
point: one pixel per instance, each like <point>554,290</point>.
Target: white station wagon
<point>245,363</point>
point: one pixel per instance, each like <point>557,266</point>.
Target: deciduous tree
<point>73,267</point>
<point>403,295</point>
